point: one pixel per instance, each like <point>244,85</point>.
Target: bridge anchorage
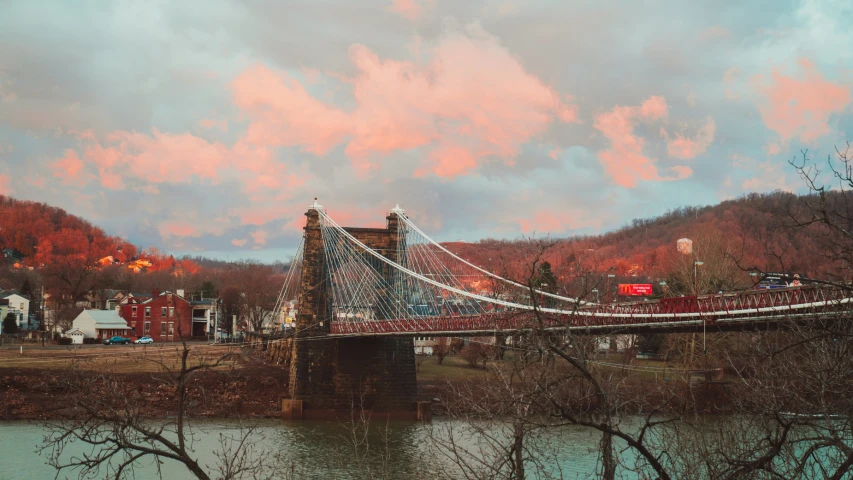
<point>365,293</point>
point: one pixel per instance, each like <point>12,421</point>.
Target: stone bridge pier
<point>332,377</point>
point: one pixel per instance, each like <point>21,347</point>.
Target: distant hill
<point>34,234</point>
<point>745,228</point>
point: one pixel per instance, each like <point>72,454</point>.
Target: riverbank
<point>40,383</point>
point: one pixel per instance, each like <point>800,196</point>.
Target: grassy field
<point>117,359</point>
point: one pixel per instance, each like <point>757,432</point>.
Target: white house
<point>17,304</point>
<point>99,324</point>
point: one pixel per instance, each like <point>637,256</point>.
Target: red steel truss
<point>751,305</point>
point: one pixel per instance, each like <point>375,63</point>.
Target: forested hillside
<point>754,231</point>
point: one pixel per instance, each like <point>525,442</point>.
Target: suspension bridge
<point>364,293</point>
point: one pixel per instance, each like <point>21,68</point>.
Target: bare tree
<point>108,419</point>
<point>441,349</point>
<point>258,291</point>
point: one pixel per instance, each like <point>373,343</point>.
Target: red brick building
<point>165,316</point>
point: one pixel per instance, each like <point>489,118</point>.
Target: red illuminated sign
<point>635,289</point>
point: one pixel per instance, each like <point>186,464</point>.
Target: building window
<point>162,311</point>
<point>147,312</point>
<point>162,328</point>
<point>171,328</point>
<point>133,311</point>
<point>133,325</point>
<point>147,329</point>
<point>171,311</point>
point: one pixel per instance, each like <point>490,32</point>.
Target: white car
<point>144,340</point>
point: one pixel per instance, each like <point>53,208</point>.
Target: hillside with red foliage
<point>744,229</point>
<point>34,234</point>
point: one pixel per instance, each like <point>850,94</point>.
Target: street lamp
<point>695,277</point>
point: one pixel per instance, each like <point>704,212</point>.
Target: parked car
<point>117,340</point>
<point>144,340</point>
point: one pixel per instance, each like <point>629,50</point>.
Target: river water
<point>314,449</point>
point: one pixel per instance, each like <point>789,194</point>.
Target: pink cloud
<point>259,237</point>
<point>175,229</point>
<point>284,114</point>
<point>773,148</point>
<point>454,106</point>
<point>795,108</point>
<point>625,160</point>
<point>554,153</point>
<point>5,189</point>
<point>686,148</point>
<point>68,168</point>
<point>239,242</point>
<point>410,9</point>
<point>159,158</point>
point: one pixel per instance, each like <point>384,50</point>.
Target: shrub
<point>474,353</point>
<point>64,341</point>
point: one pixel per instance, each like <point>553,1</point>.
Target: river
<point>313,449</point>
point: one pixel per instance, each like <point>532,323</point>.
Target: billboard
<point>635,289</point>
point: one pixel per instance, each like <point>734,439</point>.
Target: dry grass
<point>116,359</point>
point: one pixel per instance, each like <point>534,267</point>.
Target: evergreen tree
<point>10,324</point>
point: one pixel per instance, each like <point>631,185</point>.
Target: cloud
<point>239,242</point>
<point>282,113</point>
<point>5,189</point>
<point>795,108</point>
<point>259,237</point>
<point>472,101</point>
<point>625,161</point>
<point>158,157</point>
<point>411,9</point>
<point>178,229</point>
<point>68,168</point>
<point>770,178</point>
<point>687,148</point>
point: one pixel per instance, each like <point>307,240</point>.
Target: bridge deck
<point>719,311</point>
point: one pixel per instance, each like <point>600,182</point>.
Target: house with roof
<point>98,324</point>
<point>168,316</point>
<point>117,298</point>
<point>14,302</point>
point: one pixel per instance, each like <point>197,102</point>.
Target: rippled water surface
<point>311,449</point>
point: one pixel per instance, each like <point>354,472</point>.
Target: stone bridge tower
<point>331,376</point>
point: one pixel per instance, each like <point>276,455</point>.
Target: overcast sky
<point>208,127</point>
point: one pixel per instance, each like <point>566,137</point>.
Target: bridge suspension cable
<point>411,225</point>
<point>290,288</point>
<point>459,291</point>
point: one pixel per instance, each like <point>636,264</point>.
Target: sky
<point>208,127</point>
